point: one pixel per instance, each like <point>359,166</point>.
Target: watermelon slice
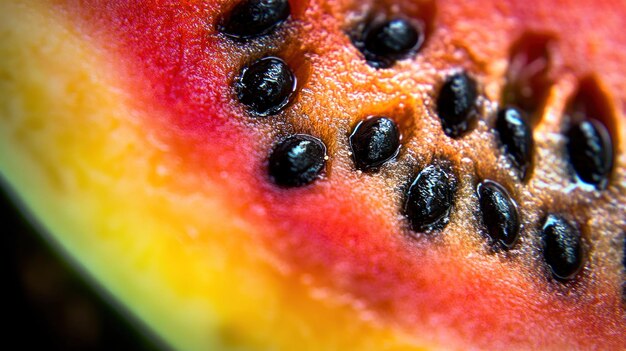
<point>329,174</point>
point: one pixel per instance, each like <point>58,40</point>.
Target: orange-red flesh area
<point>344,236</point>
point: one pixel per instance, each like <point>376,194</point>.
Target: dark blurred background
<point>47,305</point>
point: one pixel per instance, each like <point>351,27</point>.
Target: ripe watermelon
<point>332,174</point>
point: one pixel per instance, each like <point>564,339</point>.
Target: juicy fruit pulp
<point>151,147</point>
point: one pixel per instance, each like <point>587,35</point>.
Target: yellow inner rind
<point>76,150</point>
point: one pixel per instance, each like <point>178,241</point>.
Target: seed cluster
<point>265,88</point>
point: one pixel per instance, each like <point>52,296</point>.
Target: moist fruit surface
<point>324,175</point>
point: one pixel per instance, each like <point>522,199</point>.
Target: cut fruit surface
<point>277,187</point>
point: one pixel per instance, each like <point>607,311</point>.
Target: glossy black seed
<point>516,137</point>
<point>383,43</point>
<point>374,141</point>
<point>252,18</point>
<point>456,103</point>
<point>265,86</point>
<point>499,213</point>
<point>297,160</point>
<point>562,247</point>
<point>430,198</point>
<point>394,38</point>
<point>590,151</point>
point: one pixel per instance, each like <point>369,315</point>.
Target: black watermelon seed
<point>394,38</point>
<point>297,160</point>
<point>516,137</point>
<point>430,198</point>
<point>456,103</point>
<point>499,213</point>
<point>562,247</point>
<point>374,141</point>
<point>384,43</point>
<point>253,18</point>
<point>266,86</point>
<point>590,152</point>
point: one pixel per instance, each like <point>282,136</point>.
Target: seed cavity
<point>430,197</point>
<point>456,104</point>
<point>384,43</point>
<point>590,152</point>
<point>516,138</point>
<point>499,214</point>
<point>529,73</point>
<point>297,160</point>
<point>562,247</point>
<point>266,86</point>
<point>374,141</point>
<point>253,18</point>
